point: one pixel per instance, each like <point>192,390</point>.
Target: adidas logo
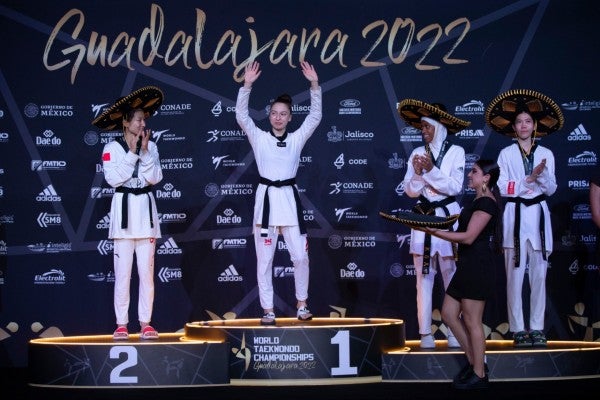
<point>48,194</point>
<point>579,134</point>
<point>104,223</point>
<point>169,247</point>
<point>230,275</point>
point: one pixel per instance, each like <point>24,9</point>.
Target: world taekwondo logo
<point>339,212</point>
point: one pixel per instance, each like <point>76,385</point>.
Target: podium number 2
<point>342,339</point>
<point>130,361</point>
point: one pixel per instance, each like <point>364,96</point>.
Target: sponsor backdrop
<point>63,62</point>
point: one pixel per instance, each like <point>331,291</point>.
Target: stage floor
<point>323,352</point>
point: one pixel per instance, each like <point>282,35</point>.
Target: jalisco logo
<point>337,136</point>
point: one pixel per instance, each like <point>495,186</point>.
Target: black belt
<point>517,227</point>
<point>266,206</point>
<point>136,192</point>
<point>424,206</point>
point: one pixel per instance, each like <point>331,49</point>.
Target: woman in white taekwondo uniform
<point>526,180</point>
<point>132,166</point>
<point>277,208</point>
<point>435,175</point>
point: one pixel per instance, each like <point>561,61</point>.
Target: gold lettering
<point>451,26</point>
<point>200,21</point>
<point>423,32</point>
<point>291,39</point>
<point>305,42</point>
<point>128,43</point>
<point>399,23</point>
<point>75,48</point>
<point>185,41</point>
<point>153,35</point>
<point>365,31</point>
<point>231,52</point>
<point>94,53</point>
<point>341,39</point>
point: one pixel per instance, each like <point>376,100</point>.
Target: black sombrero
<point>412,111</point>
<point>415,220</point>
<point>503,109</point>
<point>148,98</point>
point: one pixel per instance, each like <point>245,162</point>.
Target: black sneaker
<point>466,372</point>
<point>521,339</point>
<point>538,339</point>
<point>472,382</point>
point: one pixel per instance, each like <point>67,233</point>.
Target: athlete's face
<point>427,131</point>
<point>279,116</point>
<point>524,125</point>
<point>137,124</point>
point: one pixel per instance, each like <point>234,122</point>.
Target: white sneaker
<point>268,319</point>
<point>304,314</point>
<point>427,342</point>
<point>452,342</point>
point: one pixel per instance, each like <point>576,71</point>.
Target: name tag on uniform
<point>281,144</point>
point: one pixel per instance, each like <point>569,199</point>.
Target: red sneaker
<point>149,333</point>
<point>121,333</point>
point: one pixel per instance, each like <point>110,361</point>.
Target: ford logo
<point>350,103</point>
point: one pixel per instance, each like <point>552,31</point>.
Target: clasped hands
<point>422,163</point>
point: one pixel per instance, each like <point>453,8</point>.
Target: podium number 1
<point>342,339</point>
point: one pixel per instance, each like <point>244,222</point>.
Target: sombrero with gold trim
<point>411,111</point>
<point>415,220</point>
<point>148,98</point>
<point>503,109</point>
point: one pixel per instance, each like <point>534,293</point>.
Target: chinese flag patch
<point>106,157</point>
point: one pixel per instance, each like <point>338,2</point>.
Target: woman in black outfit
<point>479,238</point>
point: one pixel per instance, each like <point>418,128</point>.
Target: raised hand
<point>251,73</point>
<point>309,72</point>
